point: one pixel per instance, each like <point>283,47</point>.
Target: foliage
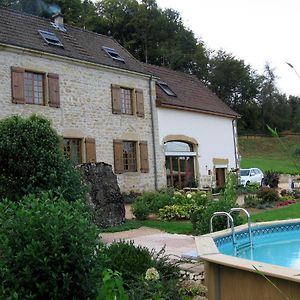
<point>112,287</point>
<point>271,178</point>
<point>251,201</point>
<point>227,200</point>
<point>140,209</point>
<point>49,249</point>
<point>130,260</point>
<point>268,195</point>
<point>31,160</point>
<point>178,212</point>
<point>130,197</point>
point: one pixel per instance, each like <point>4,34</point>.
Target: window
<point>126,101</point>
<point>129,156</point>
<point>164,86</point>
<point>34,88</point>
<point>51,38</point>
<point>113,54</point>
<point>72,150</point>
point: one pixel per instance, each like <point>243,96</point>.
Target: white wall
<point>214,134</point>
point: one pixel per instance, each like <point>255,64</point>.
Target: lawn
<point>290,212</point>
<point>267,153</point>
<point>179,227</point>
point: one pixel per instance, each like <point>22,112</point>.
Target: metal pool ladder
<point>239,209</point>
<point>229,223</point>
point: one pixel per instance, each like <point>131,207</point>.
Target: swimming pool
<point>277,244</point>
<point>275,254</point>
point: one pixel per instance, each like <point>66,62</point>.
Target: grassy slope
<point>269,153</point>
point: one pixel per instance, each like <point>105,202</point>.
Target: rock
<point>105,196</point>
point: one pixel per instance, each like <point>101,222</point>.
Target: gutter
<point>153,134</point>
<point>234,135</point>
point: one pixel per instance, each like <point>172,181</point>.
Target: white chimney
<point>58,22</point>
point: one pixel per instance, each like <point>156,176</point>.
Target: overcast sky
<point>257,31</point>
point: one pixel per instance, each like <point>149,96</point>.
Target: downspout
<point>234,142</point>
<point>153,134</point>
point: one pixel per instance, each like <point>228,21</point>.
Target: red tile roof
<point>191,93</point>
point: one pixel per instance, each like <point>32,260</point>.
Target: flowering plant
<point>152,274</point>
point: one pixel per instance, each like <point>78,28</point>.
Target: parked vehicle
<point>251,175</point>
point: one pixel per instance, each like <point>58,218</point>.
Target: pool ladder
<point>230,224</point>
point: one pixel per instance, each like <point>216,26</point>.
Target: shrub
<point>251,201</point>
<point>228,197</point>
<point>140,209</point>
<point>178,212</point>
<point>130,260</point>
<point>267,195</point>
<point>49,250</point>
<point>271,179</point>
<point>31,160</point>
<point>253,187</point>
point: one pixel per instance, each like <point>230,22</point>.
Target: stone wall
<point>86,110</point>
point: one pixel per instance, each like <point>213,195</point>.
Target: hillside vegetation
<point>269,153</point>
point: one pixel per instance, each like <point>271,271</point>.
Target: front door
<point>220,177</point>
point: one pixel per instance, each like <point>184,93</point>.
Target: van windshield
<point>245,172</point>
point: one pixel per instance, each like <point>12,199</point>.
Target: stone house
<point>197,130</point>
<point>155,126</point>
<point>99,98</point>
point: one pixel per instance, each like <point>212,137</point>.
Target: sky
<point>257,31</point>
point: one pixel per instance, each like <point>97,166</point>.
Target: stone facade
<point>86,109</point>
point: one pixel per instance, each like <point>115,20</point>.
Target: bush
<point>178,212</point>
<point>228,197</point>
<point>49,250</point>
<point>140,209</point>
<point>267,195</point>
<point>251,201</point>
<point>271,179</point>
<point>31,160</point>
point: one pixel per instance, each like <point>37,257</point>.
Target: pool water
<point>278,248</point>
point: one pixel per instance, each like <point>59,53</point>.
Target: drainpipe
<point>153,134</point>
<point>234,134</point>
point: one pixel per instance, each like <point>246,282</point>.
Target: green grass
<point>290,212</point>
<point>179,227</point>
<point>268,153</point>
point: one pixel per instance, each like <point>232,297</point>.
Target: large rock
<point>105,195</point>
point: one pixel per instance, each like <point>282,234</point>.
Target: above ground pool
<point>274,244</point>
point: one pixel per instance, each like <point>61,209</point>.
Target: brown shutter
<point>53,84</point>
<point>139,102</point>
<point>144,157</point>
<point>118,155</point>
<point>90,150</point>
<point>17,84</point>
<point>116,99</point>
<point>61,144</point>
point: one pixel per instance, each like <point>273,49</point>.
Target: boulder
<point>105,196</point>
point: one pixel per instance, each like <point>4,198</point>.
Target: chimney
<point>58,22</point>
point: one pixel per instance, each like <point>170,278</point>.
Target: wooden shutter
<point>116,99</point>
<point>90,150</point>
<point>17,85</point>
<point>118,156</point>
<point>139,102</point>
<point>53,84</point>
<point>61,144</point>
<point>144,157</point>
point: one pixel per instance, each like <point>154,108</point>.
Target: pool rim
<point>208,251</point>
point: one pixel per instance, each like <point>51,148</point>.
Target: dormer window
<point>164,86</point>
<point>113,54</point>
<point>51,38</point>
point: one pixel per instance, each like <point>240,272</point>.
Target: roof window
<point>164,86</point>
<point>113,54</point>
<point>51,38</point>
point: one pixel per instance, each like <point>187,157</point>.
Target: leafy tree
<point>31,160</point>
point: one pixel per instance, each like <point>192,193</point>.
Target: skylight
<point>51,38</point>
<point>113,54</point>
<point>164,86</point>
